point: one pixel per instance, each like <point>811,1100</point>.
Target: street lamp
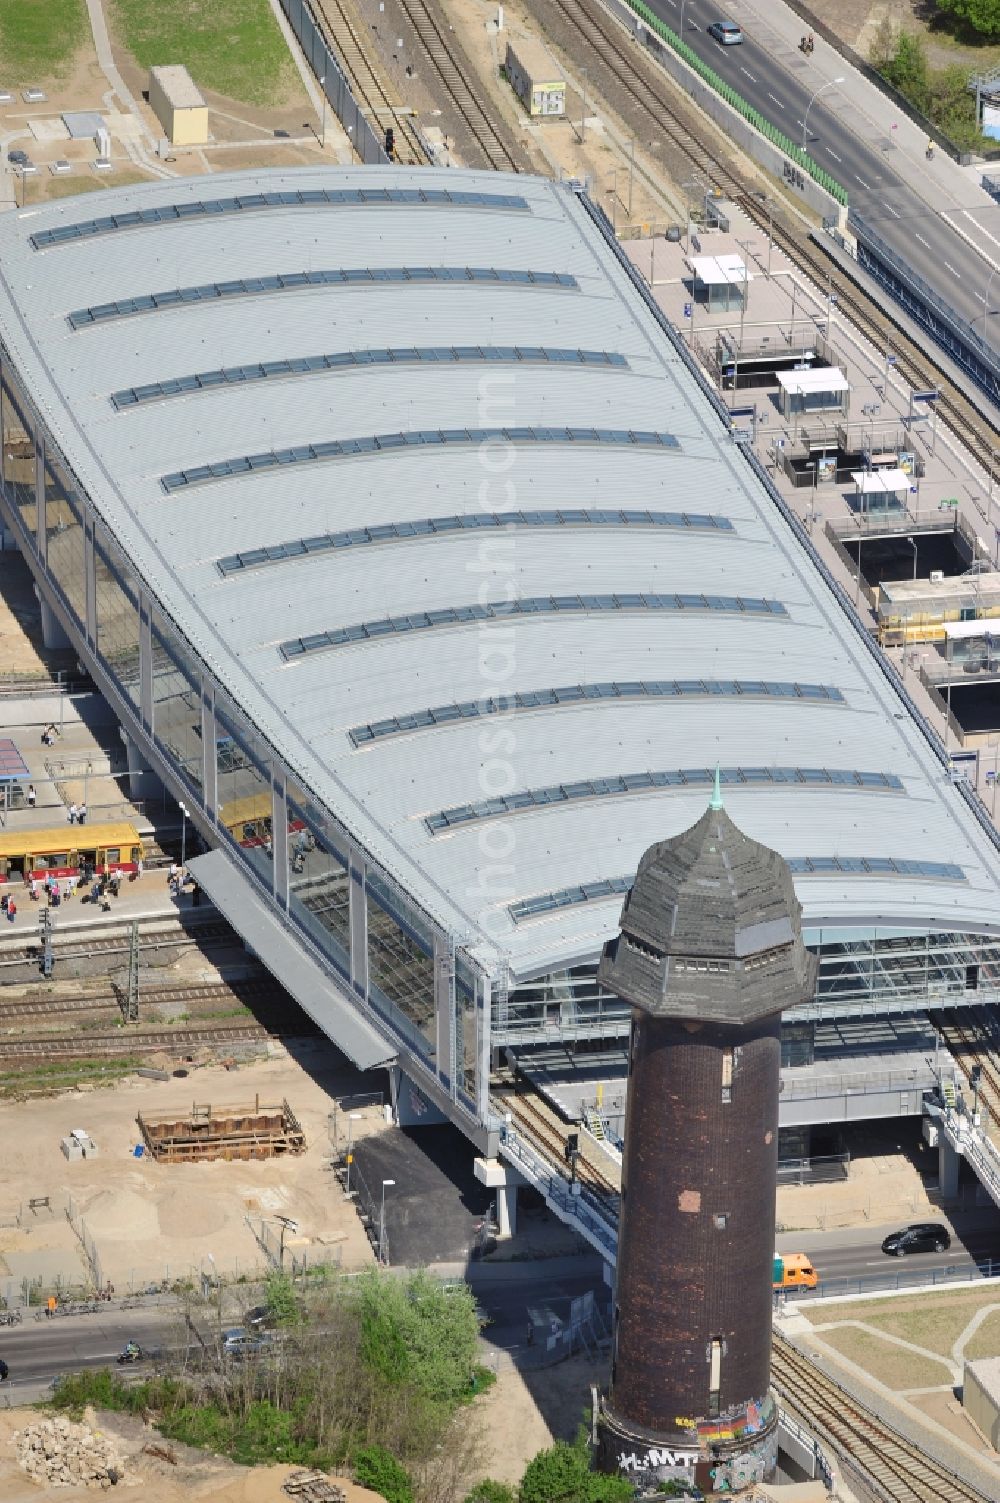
<point>322,84</point>
<point>830,84</point>
<point>913,545</point>
<point>354,1117</point>
<point>184,819</point>
<point>386,1184</point>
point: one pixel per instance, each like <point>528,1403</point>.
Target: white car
<point>726,32</point>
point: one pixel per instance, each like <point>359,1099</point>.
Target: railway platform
<point>147,899</point>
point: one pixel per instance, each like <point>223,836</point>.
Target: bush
<point>377,1468</point>
<point>488,1491</point>
<point>562,1475</point>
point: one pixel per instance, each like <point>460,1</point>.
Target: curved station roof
<point>407,459</point>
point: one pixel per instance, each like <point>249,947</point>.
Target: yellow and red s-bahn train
<point>64,851</point>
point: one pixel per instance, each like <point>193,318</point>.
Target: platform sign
<point>925,396</point>
<point>688,309</point>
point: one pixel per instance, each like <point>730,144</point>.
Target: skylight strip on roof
<point>649,782</point>
<point>375,443</point>
<point>803,866</point>
<point>201,209</point>
<point>313,365</point>
<point>299,281</point>
<point>537,605</point>
<point>573,695</point>
<point>389,532</point>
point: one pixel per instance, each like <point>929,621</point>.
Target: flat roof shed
<point>178,105</point>
<point>888,487</point>
<point>818,389</point>
<point>721,281</point>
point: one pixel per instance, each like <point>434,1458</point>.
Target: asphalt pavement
<point>38,1351</point>
<point>923,211</point>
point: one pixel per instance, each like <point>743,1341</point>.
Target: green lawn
<point>38,39</point>
<point>232,47</point>
<point>889,1364</point>
<point>986,1341</point>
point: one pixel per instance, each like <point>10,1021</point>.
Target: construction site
<point>229,1132</point>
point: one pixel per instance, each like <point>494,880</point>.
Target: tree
<point>279,1294</point>
<point>417,1333</point>
<point>562,1475</point>
<point>907,70</point>
<point>377,1468</point>
<point>982,17</point>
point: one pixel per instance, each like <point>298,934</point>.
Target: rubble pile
<point>57,1453</point>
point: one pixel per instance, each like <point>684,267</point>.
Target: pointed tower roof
<point>711,929</point>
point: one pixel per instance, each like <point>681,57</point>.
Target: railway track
<point>464,92</point>
<point>125,1043</point>
<point>970,1041</point>
<point>549,1135</point>
<point>893,1468</point>
<point>376,97</point>
<point>648,87</point>
<point>62,944</point>
<point>264,989</point>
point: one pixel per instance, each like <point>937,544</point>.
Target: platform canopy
<point>819,378</point>
<point>720,271</point>
<point>880,482</point>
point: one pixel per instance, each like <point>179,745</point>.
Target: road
<point>855,1256</point>
<point>778,81</point>
<point>38,1351</point>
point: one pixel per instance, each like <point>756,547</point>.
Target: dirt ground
<point>855,22</point>
<point>195,1478</point>
<point>523,1413</point>
<point>156,1221</point>
<point>519,1416</point>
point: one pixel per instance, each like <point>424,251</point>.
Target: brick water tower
<point>710,952</point>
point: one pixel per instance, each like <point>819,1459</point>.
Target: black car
<point>922,1236</point>
<point>19,158</point>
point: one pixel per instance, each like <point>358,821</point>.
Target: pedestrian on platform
<point>71,814</point>
<point>81,814</point>
<point>32,795</point>
<point>12,910</point>
<point>3,903</point>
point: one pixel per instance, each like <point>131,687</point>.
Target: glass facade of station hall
<point>395,960</point>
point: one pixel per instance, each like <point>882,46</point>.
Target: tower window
<point>727,1075</point>
<point>720,1220</point>
<point>714,1377</point>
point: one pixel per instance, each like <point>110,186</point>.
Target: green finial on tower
<point>716,799</point>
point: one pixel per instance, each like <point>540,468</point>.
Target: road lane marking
<point>776,101</point>
<point>922,241</point>
<point>894,212</point>
<point>981,227</point>
<point>747,73</point>
<point>948,267</point>
<point>861,180</point>
<point>833,154</point>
